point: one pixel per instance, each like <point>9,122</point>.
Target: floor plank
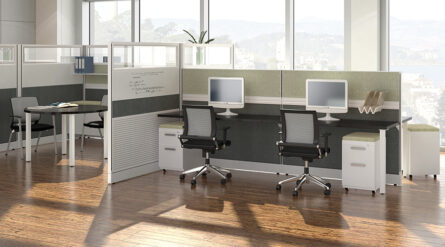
<point>47,203</point>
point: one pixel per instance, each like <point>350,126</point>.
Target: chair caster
<point>229,175</point>
<point>329,185</point>
<point>373,192</point>
<point>346,189</point>
<point>223,181</point>
<point>410,177</point>
<point>193,181</point>
<point>182,176</point>
<point>435,176</point>
<point>278,187</point>
<point>295,193</point>
<point>327,192</point>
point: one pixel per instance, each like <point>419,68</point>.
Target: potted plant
<point>199,50</point>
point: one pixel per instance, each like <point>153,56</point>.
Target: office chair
<point>95,124</point>
<point>300,138</point>
<point>200,133</point>
<point>18,120</point>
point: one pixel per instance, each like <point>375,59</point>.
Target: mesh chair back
<point>199,121</point>
<point>300,127</point>
<point>103,103</point>
<point>18,108</point>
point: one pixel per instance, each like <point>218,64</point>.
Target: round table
<point>71,113</point>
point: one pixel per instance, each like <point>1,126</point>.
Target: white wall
<point>46,22</point>
<point>69,22</point>
<point>59,22</point>
<point>17,21</point>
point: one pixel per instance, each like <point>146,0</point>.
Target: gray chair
<point>18,123</point>
<point>200,133</point>
<point>300,138</point>
<point>95,124</point>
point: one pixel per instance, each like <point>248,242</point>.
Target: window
<point>110,21</point>
<point>256,27</point>
<point>164,21</point>
<point>417,49</point>
<point>319,35</point>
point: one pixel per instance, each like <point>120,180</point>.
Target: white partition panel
<point>143,81</point>
<point>9,78</point>
<point>208,56</point>
<point>44,65</point>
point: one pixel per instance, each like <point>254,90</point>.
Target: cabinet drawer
<point>171,158</point>
<point>169,137</point>
<point>358,151</point>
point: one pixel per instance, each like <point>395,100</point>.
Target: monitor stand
<point>228,113</point>
<point>328,118</point>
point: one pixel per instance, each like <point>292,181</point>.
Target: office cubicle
<point>142,82</point>
<point>9,71</point>
<point>268,91</point>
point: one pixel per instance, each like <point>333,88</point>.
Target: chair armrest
<point>14,116</point>
<point>326,143</point>
<point>301,145</point>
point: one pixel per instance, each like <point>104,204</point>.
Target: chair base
<point>306,177</point>
<point>207,168</point>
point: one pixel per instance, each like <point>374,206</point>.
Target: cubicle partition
<point>9,71</point>
<point>143,80</point>
<point>268,91</point>
<point>48,74</point>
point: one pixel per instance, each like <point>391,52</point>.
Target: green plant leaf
<point>201,37</point>
<point>191,41</point>
<point>193,38</point>
<point>210,40</point>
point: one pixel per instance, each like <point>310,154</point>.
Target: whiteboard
<point>136,83</point>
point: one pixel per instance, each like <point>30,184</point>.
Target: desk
<point>70,112</point>
<point>381,126</point>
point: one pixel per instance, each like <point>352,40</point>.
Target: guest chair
<point>300,138</point>
<point>99,124</point>
<point>18,120</point>
<point>200,133</point>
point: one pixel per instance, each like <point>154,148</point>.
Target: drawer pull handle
<point>358,148</point>
<point>170,149</point>
<point>169,134</point>
<point>358,164</point>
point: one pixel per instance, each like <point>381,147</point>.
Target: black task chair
<point>18,120</point>
<point>99,124</point>
<point>200,133</point>
<point>300,138</point>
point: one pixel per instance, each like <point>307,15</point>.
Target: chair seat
<point>303,152</point>
<point>34,127</point>
<point>95,124</point>
<point>205,144</point>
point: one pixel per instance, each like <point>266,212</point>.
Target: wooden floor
<point>47,203</point>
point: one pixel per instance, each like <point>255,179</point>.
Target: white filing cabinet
<point>171,155</point>
<point>360,161</point>
<point>423,156</point>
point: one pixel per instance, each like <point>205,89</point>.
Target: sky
<point>418,9</point>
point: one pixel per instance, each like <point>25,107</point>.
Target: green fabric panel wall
<point>264,83</point>
<point>98,79</point>
<point>359,83</point>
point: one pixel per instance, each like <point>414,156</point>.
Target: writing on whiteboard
<point>139,85</point>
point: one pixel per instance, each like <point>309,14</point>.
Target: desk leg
<point>382,161</point>
<point>28,137</point>
<point>105,135</point>
<point>63,134</point>
<point>72,154</point>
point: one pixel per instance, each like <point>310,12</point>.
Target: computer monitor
<point>327,96</point>
<point>228,93</point>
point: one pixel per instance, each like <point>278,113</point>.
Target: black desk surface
<point>69,110</point>
<point>343,123</point>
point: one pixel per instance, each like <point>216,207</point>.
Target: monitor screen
<point>326,93</point>
<point>228,90</point>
